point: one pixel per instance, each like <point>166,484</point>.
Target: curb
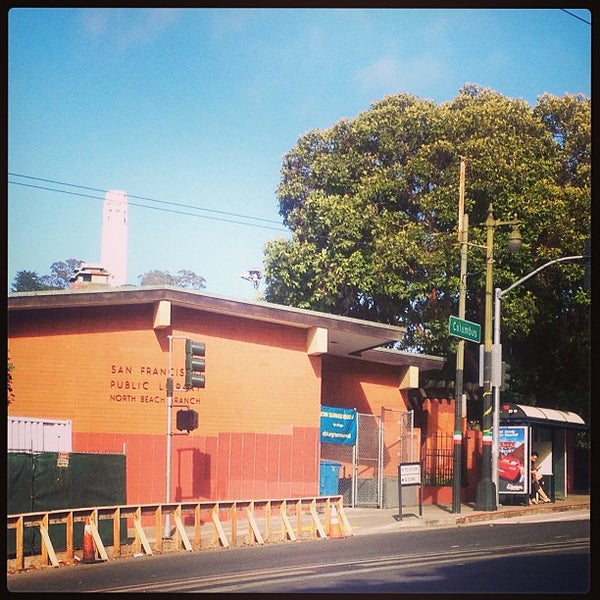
<point>506,514</point>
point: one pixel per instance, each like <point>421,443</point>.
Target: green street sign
<point>467,330</point>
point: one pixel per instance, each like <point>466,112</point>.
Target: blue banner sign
<point>338,425</point>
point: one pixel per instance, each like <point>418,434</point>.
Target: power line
<point>180,212</point>
<point>575,16</point>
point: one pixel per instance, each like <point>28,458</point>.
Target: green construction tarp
<point>46,481</point>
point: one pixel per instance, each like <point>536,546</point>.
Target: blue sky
<point>197,107</point>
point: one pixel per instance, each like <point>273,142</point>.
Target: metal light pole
<point>463,238</point>
<point>167,526</point>
<point>496,420</point>
<point>486,488</point>
<point>486,493</point>
<point>498,295</point>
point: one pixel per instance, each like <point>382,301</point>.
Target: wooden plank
<point>141,534</point>
<point>47,543</point>
<point>287,526</point>
<point>116,532</point>
<point>158,529</point>
<point>344,519</point>
<point>267,535</point>
<point>218,527</point>
<point>98,540</point>
<point>70,550</point>
<point>299,518</point>
<point>181,530</point>
<point>233,521</point>
<point>20,558</point>
<point>197,527</point>
<point>316,520</point>
<point>254,525</point>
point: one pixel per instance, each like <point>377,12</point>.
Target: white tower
<point>113,253</point>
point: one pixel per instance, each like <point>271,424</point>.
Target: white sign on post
<point>410,474</point>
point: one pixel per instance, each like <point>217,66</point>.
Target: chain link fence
<point>369,470</point>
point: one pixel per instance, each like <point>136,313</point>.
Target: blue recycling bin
<point>329,477</point>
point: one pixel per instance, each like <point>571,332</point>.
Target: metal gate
<point>369,469</point>
<point>367,461</point>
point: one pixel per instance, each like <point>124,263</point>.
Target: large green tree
<point>372,207</point>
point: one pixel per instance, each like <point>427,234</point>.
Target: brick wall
<point>367,387</point>
<point>106,369</point>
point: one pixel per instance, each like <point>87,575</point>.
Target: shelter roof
<point>520,413</point>
<point>346,336</point>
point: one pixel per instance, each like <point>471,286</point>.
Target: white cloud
<point>389,75</point>
<point>124,28</point>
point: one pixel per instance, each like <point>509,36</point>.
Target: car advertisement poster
<point>512,460</point>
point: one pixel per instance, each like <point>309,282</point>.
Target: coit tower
<point>113,253</point>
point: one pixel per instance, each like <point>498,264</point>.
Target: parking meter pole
<point>399,492</point>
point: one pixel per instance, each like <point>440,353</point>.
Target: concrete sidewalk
<point>364,521</point>
<point>380,520</point>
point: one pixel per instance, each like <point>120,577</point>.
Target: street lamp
<point>498,295</point>
<point>486,488</point>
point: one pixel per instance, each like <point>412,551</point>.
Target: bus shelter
<point>549,432</point>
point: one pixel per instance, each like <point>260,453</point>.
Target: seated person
<point>536,477</point>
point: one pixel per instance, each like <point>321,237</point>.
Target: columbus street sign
<point>467,330</point>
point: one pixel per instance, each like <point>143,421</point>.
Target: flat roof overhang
<point>346,336</point>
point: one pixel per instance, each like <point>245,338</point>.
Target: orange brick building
<point>100,357</point>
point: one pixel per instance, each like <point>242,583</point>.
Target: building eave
<point>346,336</point>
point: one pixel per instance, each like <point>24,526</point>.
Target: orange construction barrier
<point>89,553</point>
<point>335,530</point>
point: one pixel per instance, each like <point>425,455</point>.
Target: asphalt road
<point>514,557</point>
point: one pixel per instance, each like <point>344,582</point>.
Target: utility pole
<point>486,488</point>
<point>463,235</point>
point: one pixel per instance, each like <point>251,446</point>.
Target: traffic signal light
<point>187,420</point>
<point>505,377</point>
<point>194,364</point>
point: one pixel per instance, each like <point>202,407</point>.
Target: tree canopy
<point>372,207</point>
<point>183,278</point>
<point>58,279</point>
<point>61,272</point>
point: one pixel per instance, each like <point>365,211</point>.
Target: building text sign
<point>146,385</point>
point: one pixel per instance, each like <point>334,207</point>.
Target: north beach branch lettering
<point>147,385</point>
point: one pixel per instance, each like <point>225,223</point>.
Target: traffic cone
<point>89,553</point>
<point>335,531</point>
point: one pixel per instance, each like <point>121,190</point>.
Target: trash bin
<point>329,478</point>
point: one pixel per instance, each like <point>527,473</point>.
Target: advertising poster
<point>513,477</point>
<point>338,425</point>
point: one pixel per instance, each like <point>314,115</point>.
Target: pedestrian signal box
<point>187,420</point>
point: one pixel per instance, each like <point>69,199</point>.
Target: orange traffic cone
<point>335,531</point>
<point>89,553</point>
